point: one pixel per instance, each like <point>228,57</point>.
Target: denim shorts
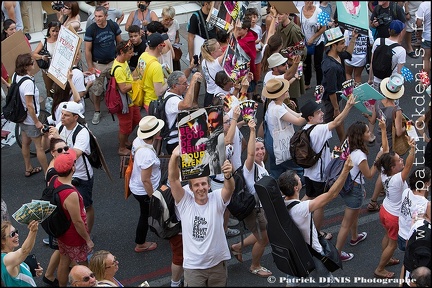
<point>401,243</point>
<point>30,130</point>
<point>85,188</point>
<point>354,199</point>
<point>425,44</point>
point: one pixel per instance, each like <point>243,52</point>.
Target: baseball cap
<point>73,107</point>
<point>309,108</point>
<point>65,161</point>
<point>397,26</point>
<point>156,38</point>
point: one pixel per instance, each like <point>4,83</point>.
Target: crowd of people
<point>146,68</point>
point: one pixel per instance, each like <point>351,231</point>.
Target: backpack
<point>14,110</point>
<point>301,150</point>
<point>382,59</point>
<point>418,249</point>
<point>332,173</point>
<point>157,109</point>
<point>57,223</point>
<point>113,99</point>
<point>162,219</point>
<point>95,155</point>
<point>242,201</point>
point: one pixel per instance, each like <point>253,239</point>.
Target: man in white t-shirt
<point>301,212</point>
<point>178,85</point>
<point>205,248</point>
<point>319,136</point>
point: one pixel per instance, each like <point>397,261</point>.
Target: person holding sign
<point>201,213</point>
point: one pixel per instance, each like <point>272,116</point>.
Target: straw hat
<point>333,35</point>
<point>149,126</point>
<point>392,87</point>
<point>275,87</point>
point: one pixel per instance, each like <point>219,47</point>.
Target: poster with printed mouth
<point>353,15</point>
<point>236,62</point>
<point>202,144</point>
<point>248,109</point>
<point>348,87</point>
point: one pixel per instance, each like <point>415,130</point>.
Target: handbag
<point>44,64</point>
<point>281,144</point>
<point>178,53</point>
<point>31,261</point>
<point>331,258</point>
<point>399,143</point>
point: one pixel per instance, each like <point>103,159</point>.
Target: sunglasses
<point>60,150</point>
<point>67,8</point>
<point>259,139</point>
<point>127,46</point>
<point>86,278</point>
<point>13,233</point>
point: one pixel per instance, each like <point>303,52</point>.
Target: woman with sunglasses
<point>14,272</point>
<point>69,15</point>
<point>51,40</point>
<point>57,146</point>
<point>105,266</point>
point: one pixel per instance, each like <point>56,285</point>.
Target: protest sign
<point>64,55</point>
<point>202,146</point>
<point>353,15</point>
<point>236,62</point>
<point>366,96</point>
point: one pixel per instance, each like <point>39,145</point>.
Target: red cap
<point>65,161</point>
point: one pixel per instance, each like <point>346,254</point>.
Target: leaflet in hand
<point>36,210</point>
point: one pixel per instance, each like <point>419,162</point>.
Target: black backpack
<point>242,201</point>
<point>382,59</point>
<point>14,110</point>
<point>418,249</point>
<point>157,109</point>
<point>94,157</point>
<point>301,150</point>
<point>57,223</point>
<point>162,218</point>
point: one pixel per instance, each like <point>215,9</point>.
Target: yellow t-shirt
<point>123,74</point>
<point>154,74</point>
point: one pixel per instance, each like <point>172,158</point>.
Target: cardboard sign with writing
<point>13,46</point>
<point>64,55</point>
<point>284,6</point>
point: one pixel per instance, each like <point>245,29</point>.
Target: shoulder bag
<point>281,144</point>
<point>44,64</point>
<point>400,144</point>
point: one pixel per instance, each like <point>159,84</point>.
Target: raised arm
<point>229,137</point>
<point>384,139</point>
<point>250,158</point>
<point>174,175</point>
<point>339,119</point>
<point>410,159</point>
<point>229,184</point>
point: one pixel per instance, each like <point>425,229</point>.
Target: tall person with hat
<point>320,134</point>
<point>333,69</point>
<point>146,175</point>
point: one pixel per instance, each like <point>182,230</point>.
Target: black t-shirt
<point>197,27</point>
<point>385,16</point>
<point>333,74</point>
<point>138,50</point>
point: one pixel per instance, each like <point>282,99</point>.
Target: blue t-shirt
<point>23,279</point>
<point>103,40</point>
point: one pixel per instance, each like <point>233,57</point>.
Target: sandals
<point>261,272</point>
<point>393,261</point>
<point>388,275</point>
<point>373,206</point>
<point>151,247</point>
<point>33,171</point>
<point>327,236</point>
<point>237,255</point>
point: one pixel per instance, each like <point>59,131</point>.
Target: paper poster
<point>236,62</point>
<point>366,96</point>
<point>284,6</point>
<point>248,109</point>
<point>65,51</point>
<point>353,14</point>
<point>36,210</point>
<point>202,146</point>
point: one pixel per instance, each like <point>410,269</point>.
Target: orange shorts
<point>390,223</point>
<point>128,121</point>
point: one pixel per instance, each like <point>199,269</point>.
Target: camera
<point>384,19</point>
<point>58,5</point>
<point>46,128</point>
<point>195,57</point>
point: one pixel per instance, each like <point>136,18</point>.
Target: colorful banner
<point>353,15</point>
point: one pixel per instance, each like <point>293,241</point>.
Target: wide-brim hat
<point>309,108</point>
<point>333,35</point>
<point>275,87</point>
<point>392,87</point>
<point>149,126</point>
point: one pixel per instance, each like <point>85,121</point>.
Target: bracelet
<point>228,178</point>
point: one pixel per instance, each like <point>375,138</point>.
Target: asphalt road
<point>116,218</point>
